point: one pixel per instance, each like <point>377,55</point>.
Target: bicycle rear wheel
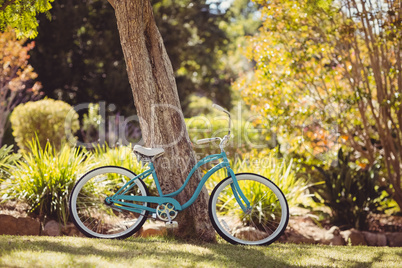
<point>262,224</point>
<point>93,216</point>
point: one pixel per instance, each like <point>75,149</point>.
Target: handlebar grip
<point>202,141</point>
<point>220,108</point>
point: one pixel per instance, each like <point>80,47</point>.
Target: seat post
<point>142,158</point>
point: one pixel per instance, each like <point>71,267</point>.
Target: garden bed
<point>383,230</point>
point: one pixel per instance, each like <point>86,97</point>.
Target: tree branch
<point>5,4</point>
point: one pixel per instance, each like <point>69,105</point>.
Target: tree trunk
<point>156,99</point>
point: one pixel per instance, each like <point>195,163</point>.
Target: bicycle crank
<point>166,212</point>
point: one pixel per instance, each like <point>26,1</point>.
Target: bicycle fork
<point>238,193</point>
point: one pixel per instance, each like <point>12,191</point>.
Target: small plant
<point>349,191</point>
<point>45,177</point>
<point>50,120</point>
<point>7,160</point>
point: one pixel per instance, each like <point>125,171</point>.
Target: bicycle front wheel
<point>262,224</point>
<point>94,216</point>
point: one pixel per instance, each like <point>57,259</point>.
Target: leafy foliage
<point>96,71</point>
<point>21,15</point>
<point>241,22</point>
<point>45,177</point>
<point>7,160</point>
<point>16,76</point>
<point>328,73</point>
<point>50,120</point>
<point>349,191</point>
<point>92,71</point>
<point>195,44</point>
<point>289,83</point>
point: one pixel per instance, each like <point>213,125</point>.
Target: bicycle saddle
<point>150,152</point>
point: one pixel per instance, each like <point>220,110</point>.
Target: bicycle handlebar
<point>202,141</point>
<point>226,137</point>
<point>220,108</point>
<point>216,106</point>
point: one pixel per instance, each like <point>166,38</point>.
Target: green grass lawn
<point>29,251</point>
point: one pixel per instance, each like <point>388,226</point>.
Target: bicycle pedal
<point>171,225</point>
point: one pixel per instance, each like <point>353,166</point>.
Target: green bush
<point>45,177</point>
<point>348,190</point>
<point>50,120</point>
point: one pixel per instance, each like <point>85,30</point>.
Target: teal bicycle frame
<point>168,198</point>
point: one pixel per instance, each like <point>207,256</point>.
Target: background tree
<point>196,44</point>
<point>242,21</point>
<point>81,42</point>
<point>329,72</point>
<point>95,70</point>
<point>16,76</point>
<point>21,16</point>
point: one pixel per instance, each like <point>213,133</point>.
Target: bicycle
<point>114,202</point>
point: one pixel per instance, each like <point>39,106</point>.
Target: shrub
<point>45,177</point>
<point>48,119</point>
<point>348,190</point>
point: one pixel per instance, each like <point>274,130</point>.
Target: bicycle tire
<point>263,225</point>
<point>93,216</point>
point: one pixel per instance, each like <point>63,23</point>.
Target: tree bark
<point>155,95</point>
